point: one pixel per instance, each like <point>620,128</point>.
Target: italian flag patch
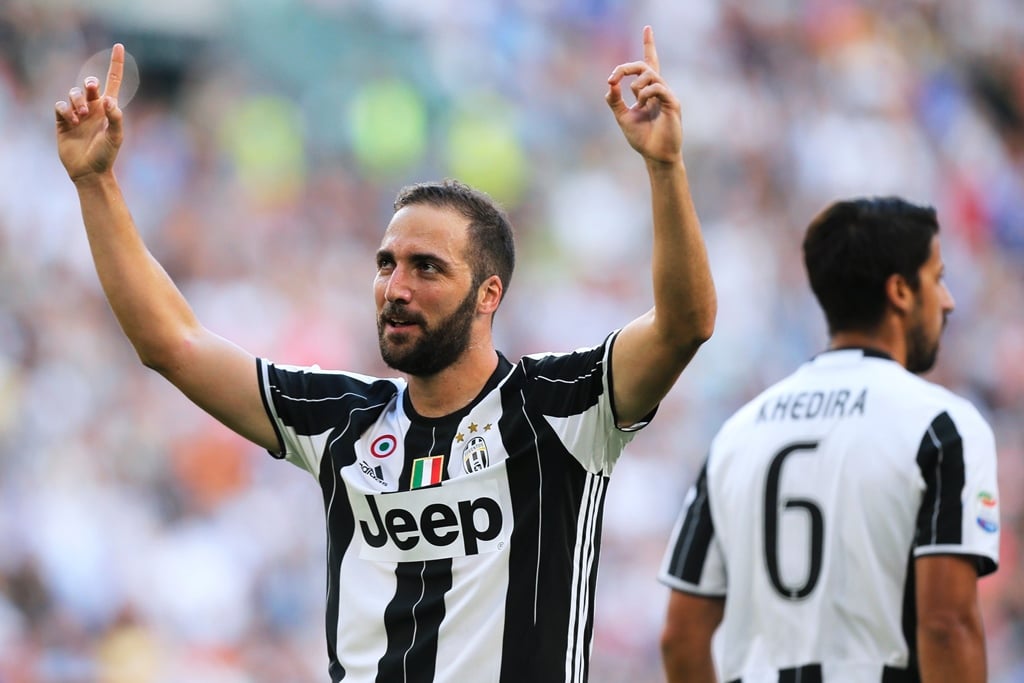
<point>426,471</point>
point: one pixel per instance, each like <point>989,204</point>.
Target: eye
<point>384,262</point>
<point>428,266</point>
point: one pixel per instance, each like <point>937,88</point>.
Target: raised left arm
<point>652,350</point>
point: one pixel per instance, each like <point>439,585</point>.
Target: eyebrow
<point>415,257</point>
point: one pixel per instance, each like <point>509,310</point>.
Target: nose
<point>949,303</point>
<point>396,288</point>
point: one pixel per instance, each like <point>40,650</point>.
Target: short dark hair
<point>491,243</point>
<point>853,246</point>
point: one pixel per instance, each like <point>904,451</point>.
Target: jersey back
<point>814,501</point>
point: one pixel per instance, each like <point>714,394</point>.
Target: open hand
<point>89,130</point>
<point>653,125</point>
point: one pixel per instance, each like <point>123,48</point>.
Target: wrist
<point>94,180</point>
<point>665,167</point>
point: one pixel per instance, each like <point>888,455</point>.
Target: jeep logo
<point>438,524</point>
<point>432,523</point>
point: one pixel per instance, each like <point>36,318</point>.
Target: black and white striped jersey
<point>461,548</point>
<point>811,507</point>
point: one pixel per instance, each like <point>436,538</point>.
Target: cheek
<point>379,289</point>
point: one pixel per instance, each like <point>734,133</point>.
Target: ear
<point>899,293</point>
<point>489,295</point>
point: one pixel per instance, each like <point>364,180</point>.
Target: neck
<point>882,340</point>
<point>455,386</point>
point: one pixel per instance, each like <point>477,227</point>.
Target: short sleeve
<point>959,511</point>
<point>694,562</point>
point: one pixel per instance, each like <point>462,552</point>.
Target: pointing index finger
<point>650,52</point>
<point>116,72</point>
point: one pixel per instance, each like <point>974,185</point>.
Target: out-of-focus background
<point>142,542</point>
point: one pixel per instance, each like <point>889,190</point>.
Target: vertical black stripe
<point>809,673</point>
<point>894,675</point>
<point>424,439</point>
<point>941,461</point>
<point>547,490</point>
<point>340,453</point>
<point>909,621</point>
<point>340,529</point>
<point>412,621</point>
<point>695,535</point>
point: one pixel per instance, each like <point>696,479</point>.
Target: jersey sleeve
<point>694,562</point>
<point>573,391</point>
<point>305,404</point>
<point>959,511</point>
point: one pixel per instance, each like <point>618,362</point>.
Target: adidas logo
<point>375,473</point>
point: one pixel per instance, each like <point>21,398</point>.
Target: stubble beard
<point>922,352</point>
<point>438,347</point>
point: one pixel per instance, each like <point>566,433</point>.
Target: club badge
<point>474,457</point>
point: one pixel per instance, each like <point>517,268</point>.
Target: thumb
<point>614,99</point>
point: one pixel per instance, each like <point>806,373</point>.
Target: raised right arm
<point>217,375</point>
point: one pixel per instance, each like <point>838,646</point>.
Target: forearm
<point>690,624</point>
<point>684,292</point>
<point>152,312</point>
<point>686,670</point>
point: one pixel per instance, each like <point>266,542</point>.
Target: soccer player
<point>842,518</point>
<point>463,499</point>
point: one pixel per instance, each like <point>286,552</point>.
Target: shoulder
<point>569,365</point>
<point>930,400</point>
<point>964,423</point>
<point>311,382</point>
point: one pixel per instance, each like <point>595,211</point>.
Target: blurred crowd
<point>140,542</point>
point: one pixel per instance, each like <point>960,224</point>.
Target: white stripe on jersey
<point>583,553</point>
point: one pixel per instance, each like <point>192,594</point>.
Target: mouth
<point>392,325</point>
<point>390,322</point>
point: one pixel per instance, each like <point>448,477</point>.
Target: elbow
<point>154,361</point>
<point>674,663</point>
<point>947,631</point>
<point>698,329</point>
<point>706,319</point>
<point>704,328</point>
<point>166,354</point>
<point>699,321</point>
<point>669,648</point>
<point>681,662</point>
<point>159,361</point>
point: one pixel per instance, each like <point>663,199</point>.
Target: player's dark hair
<point>852,247</point>
<point>491,243</point>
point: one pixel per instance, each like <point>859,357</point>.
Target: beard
<point>922,351</point>
<point>438,347</point>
